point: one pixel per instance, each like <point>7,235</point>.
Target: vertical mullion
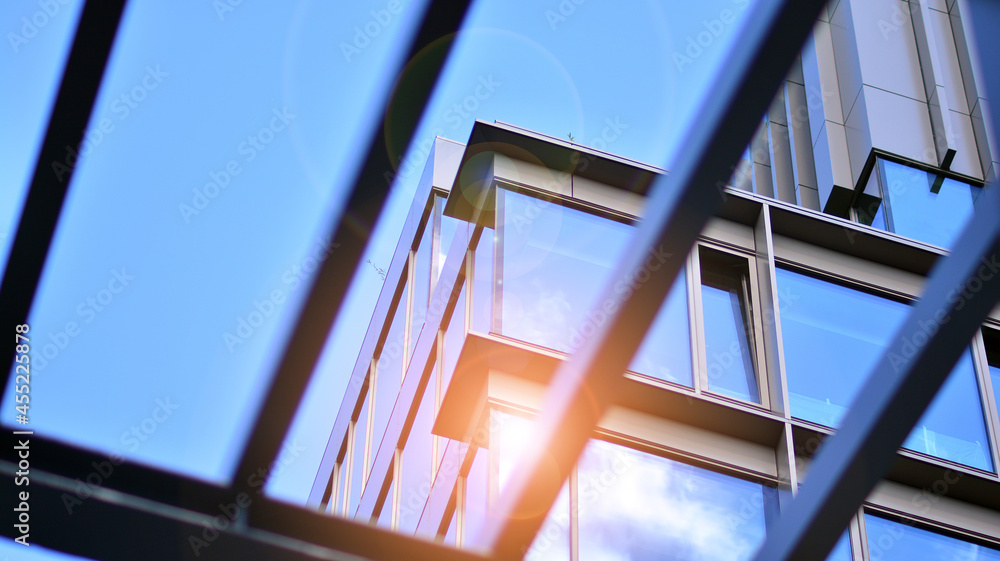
<point>498,249</point>
<point>987,397</point>
<point>700,378</point>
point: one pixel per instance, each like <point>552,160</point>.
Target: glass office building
<point>800,279</point>
<point>830,226</point>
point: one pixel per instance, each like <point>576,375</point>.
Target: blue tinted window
<point>389,374</point>
<point>359,461</point>
<point>833,336</point>
<point>634,505</point>
<point>555,262</point>
<point>416,469</point>
<point>893,541</point>
<point>924,206</point>
<point>665,353</point>
<point>841,551</point>
<point>728,328</point>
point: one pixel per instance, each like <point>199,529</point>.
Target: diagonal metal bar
<point>81,80</point>
<point>679,207</point>
<point>959,294</point>
<point>441,20</point>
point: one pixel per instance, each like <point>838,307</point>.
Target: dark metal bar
<point>679,207</point>
<point>368,193</point>
<point>118,527</point>
<point>961,291</point>
<point>95,34</point>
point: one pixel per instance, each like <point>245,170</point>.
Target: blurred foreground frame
<point>145,513</point>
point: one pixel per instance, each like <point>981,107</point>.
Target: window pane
<point>385,515</point>
<point>665,353</point>
<point>421,284</point>
<point>416,473</point>
<point>389,374</point>
<point>454,339</point>
<point>925,207</point>
<point>509,435</point>
<point>482,300</point>
<point>726,314</point>
<point>893,541</point>
<point>639,506</point>
<point>833,336</point>
<point>555,262</point>
<point>476,495</point>
<point>359,465</point>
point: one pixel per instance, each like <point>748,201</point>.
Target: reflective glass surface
<point>833,336</point>
<point>389,374</point>
<point>416,473</point>
<point>665,352</point>
<point>421,284</point>
<point>639,506</point>
<point>482,299</point>
<point>509,436</point>
<point>477,495</point>
<point>924,206</point>
<point>726,315</point>
<point>555,262</point>
<point>892,541</point>
<point>454,339</point>
<point>359,465</point>
<point>388,507</point>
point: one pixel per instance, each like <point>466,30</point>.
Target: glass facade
<point>889,540</point>
<point>917,204</point>
<point>833,336</point>
<point>531,279</point>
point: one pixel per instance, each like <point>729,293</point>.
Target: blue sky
<point>220,149</point>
